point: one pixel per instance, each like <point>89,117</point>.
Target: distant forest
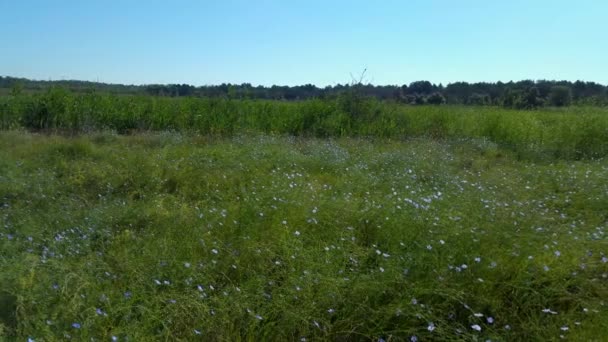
<point>525,94</point>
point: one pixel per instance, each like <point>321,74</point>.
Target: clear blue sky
<point>296,42</point>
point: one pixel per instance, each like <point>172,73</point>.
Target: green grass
<point>570,133</point>
<point>160,236</point>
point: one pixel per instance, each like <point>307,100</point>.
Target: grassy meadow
<point>126,218</point>
<point>175,236</point>
<point>565,133</point>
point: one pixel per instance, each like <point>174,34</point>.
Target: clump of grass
<point>180,236</point>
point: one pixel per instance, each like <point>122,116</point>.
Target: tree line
<point>527,94</point>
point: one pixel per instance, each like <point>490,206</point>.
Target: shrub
<point>435,99</point>
<point>560,96</point>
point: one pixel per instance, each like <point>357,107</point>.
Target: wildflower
<point>381,269</point>
<point>114,338</point>
<point>258,317</point>
<point>297,233</point>
<point>490,319</point>
<point>564,328</point>
<point>331,311</point>
<point>413,338</point>
<point>76,325</point>
<point>197,332</point>
<point>214,251</point>
<point>604,259</point>
<point>476,327</point>
<point>187,265</point>
<point>431,327</point>
<point>429,247</point>
<point>557,253</point>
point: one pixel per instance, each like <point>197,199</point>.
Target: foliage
<point>547,131</point>
<point>584,93</point>
<point>560,96</point>
<point>479,99</point>
<point>172,236</point>
<point>435,99</point>
<point>523,99</point>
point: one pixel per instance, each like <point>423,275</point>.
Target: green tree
<point>435,99</point>
<point>479,99</point>
<point>531,99</point>
<point>17,88</point>
<point>560,96</point>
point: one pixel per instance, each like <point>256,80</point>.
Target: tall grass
<point>571,133</point>
<point>174,237</point>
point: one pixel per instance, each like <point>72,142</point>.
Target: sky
<point>292,42</point>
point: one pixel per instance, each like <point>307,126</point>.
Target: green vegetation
<point>524,94</point>
<point>570,133</point>
<point>180,236</point>
<point>138,217</point>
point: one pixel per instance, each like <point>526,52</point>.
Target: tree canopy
<point>526,94</point>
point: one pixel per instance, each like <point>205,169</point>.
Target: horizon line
<point>97,81</point>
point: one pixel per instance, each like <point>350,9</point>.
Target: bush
<point>518,99</point>
<point>560,96</point>
<point>479,99</point>
<point>435,99</point>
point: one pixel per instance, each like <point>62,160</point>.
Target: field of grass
<point>567,133</point>
<point>442,235</point>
